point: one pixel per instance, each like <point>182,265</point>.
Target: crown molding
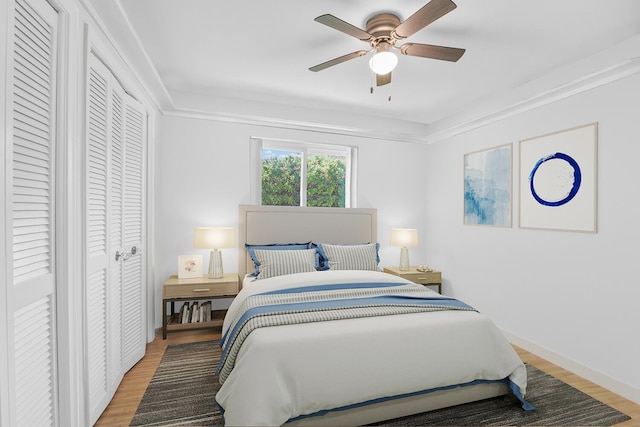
<point>594,80</point>
<point>300,125</point>
<point>500,109</point>
<point>127,47</point>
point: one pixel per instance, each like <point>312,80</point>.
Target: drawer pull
<point>422,278</point>
<point>202,290</point>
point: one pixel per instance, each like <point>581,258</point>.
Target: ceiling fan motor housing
<point>380,27</point>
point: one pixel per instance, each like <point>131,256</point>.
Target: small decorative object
<point>404,237</point>
<point>214,238</point>
<point>189,266</point>
<point>487,187</point>
<point>558,180</point>
<point>424,268</point>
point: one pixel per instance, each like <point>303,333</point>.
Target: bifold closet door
<point>115,191</point>
<point>30,215</point>
<point>133,275</point>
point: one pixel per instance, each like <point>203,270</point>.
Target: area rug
<point>181,393</point>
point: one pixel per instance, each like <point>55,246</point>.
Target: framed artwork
<point>189,266</point>
<point>558,180</point>
<point>487,186</point>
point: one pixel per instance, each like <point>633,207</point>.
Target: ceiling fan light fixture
<point>383,62</point>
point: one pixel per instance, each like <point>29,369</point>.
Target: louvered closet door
<point>115,233</point>
<point>133,279</point>
<point>31,351</point>
<point>97,227</point>
<point>115,306</point>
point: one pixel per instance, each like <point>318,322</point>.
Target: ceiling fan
<point>384,30</point>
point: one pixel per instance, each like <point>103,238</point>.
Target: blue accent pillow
<point>322,260</point>
<point>251,250</point>
<point>321,257</point>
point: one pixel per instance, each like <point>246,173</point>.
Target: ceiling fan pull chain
<point>373,76</point>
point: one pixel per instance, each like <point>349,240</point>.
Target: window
<point>289,173</point>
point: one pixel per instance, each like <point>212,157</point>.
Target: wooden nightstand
<point>196,289</point>
<point>429,278</point>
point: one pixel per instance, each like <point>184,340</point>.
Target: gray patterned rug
<point>181,393</point>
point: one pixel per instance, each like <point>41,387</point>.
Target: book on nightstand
<point>184,312</point>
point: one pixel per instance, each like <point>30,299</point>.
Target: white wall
<point>570,297</point>
<point>202,175</point>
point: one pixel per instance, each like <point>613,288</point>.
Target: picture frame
<point>558,180</point>
<point>189,266</point>
<point>488,177</point>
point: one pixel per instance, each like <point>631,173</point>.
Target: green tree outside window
<point>281,179</point>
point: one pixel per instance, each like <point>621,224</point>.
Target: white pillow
<point>280,262</point>
<point>351,257</point>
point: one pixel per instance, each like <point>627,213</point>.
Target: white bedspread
<point>286,371</point>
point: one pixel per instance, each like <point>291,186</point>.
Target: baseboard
<point>596,377</point>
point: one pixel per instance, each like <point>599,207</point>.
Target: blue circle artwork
<point>577,179</point>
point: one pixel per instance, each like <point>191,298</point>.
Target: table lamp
<point>214,238</point>
<point>404,237</point>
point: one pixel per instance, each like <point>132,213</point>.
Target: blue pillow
<point>321,257</point>
<point>322,260</point>
<point>273,246</point>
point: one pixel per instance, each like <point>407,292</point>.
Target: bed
<point>347,347</point>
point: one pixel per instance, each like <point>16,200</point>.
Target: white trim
<point>112,44</point>
<point>303,175</point>
<point>149,244</point>
<point>351,192</point>
<point>294,125</point>
<point>599,78</point>
<point>603,380</point>
<point>69,329</point>
<point>255,178</point>
<point>5,82</point>
<point>594,80</point>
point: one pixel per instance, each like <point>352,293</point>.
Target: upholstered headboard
<point>261,225</point>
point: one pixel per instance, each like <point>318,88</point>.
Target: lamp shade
<point>404,237</point>
<point>214,238</point>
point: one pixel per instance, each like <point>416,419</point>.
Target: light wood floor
<point>125,402</point>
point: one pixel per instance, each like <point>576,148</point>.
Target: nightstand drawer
<point>186,291</point>
<point>428,278</point>
<point>424,278</point>
<point>200,287</point>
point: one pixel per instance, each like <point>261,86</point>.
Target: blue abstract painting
<point>487,187</point>
<point>558,180</point>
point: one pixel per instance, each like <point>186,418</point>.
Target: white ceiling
<point>261,50</point>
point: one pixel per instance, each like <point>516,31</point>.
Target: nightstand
<point>195,290</point>
<point>428,278</point>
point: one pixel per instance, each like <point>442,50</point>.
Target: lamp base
<point>215,265</point>
<point>404,259</point>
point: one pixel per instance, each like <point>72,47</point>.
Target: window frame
<point>305,148</point>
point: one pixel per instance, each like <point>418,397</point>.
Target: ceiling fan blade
<point>338,60</point>
<point>345,27</point>
<point>430,12</point>
<point>431,51</point>
<point>383,79</point>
